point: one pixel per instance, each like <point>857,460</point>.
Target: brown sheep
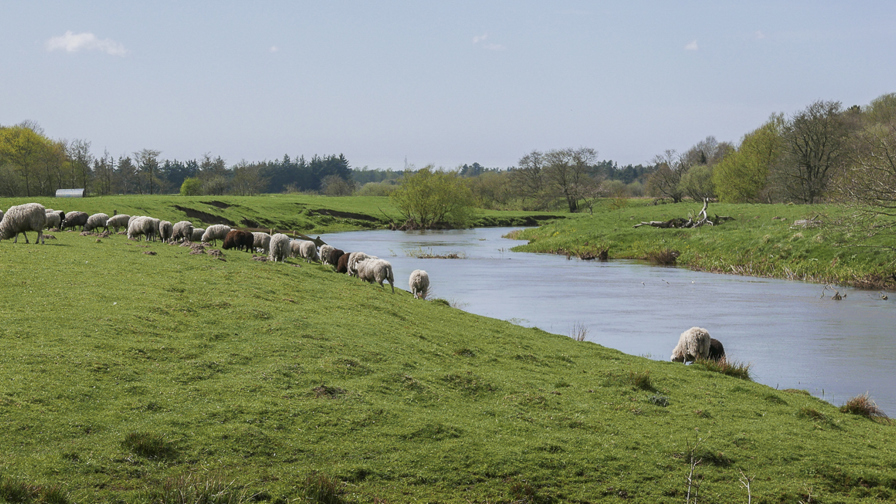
<point>240,240</point>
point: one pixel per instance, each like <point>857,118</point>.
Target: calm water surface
<point>792,337</point>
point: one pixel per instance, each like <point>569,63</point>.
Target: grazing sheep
<point>215,232</point>
<point>333,258</point>
<point>53,219</point>
<point>279,248</point>
<point>692,344</point>
<point>21,218</point>
<point>96,221</point>
<point>342,263</point>
<point>141,225</point>
<point>1,215</point>
<point>419,284</point>
<point>74,219</point>
<point>118,221</point>
<point>182,230</point>
<point>240,240</point>
<point>324,252</point>
<point>304,249</point>
<point>716,350</point>
<point>197,234</point>
<point>166,231</point>
<point>376,270</point>
<point>261,241</point>
<point>354,259</point>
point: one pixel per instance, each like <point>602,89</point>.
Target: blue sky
<point>443,83</point>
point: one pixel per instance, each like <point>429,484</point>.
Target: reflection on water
<point>792,337</point>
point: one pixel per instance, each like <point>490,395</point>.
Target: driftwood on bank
<point>678,222</point>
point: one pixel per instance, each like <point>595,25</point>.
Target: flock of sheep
<point>693,343</point>
<point>34,217</point>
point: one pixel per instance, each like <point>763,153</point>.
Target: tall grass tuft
<point>863,405</point>
<point>19,492</point>
<point>196,489</point>
<point>579,331</point>
<point>727,367</point>
<point>663,257</point>
<point>148,444</point>
<point>322,489</point>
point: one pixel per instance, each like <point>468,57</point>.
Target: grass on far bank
<point>131,377</point>
<point>761,241</point>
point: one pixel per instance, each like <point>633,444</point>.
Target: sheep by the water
<point>182,230</point>
<point>261,241</point>
<point>419,284</point>
<point>692,344</point>
<point>197,234</point>
<point>324,253</point>
<point>333,257</point>
<point>75,219</point>
<point>22,218</point>
<point>304,249</point>
<point>376,270</point>
<point>342,263</point>
<point>716,350</point>
<point>215,232</point>
<point>240,240</point>
<point>166,231</point>
<point>279,248</point>
<point>118,221</point>
<point>353,260</point>
<point>141,225</point>
<point>96,221</point>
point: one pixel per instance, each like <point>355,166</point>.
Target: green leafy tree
<point>742,175</point>
<point>432,198</point>
<point>191,187</point>
<point>697,183</point>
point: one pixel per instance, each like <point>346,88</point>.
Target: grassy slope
<point>759,242</point>
<point>261,374</point>
<point>306,214</point>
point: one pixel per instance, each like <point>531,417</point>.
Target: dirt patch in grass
<point>205,217</point>
<point>344,215</point>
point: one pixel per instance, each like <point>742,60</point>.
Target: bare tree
<point>666,180</point>
<point>815,147</point>
<point>529,180</point>
<point>567,171</point>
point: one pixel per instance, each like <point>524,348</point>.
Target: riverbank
<point>761,241</point>
<point>137,372</point>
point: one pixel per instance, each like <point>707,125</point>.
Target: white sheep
<point>376,270</point>
<point>53,218</point>
<point>21,218</point>
<point>353,259</point>
<point>197,234</point>
<point>304,249</point>
<point>692,344</point>
<point>97,220</point>
<point>261,241</point>
<point>166,231</point>
<point>279,248</point>
<point>118,221</point>
<point>182,230</point>
<point>141,225</point>
<point>325,251</point>
<point>215,232</point>
<point>419,284</point>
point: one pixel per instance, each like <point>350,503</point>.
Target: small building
<point>71,193</point>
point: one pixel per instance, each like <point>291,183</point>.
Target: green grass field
<point>127,376</point>
<point>760,241</point>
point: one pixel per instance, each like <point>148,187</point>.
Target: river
<point>792,337</point>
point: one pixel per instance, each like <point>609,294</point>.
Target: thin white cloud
<point>759,35</point>
<point>692,46</point>
<point>274,49</point>
<point>480,41</point>
<point>74,42</point>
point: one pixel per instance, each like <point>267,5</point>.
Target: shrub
<point>863,405</point>
<point>727,367</point>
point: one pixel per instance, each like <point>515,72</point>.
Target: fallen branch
<point>678,222</point>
